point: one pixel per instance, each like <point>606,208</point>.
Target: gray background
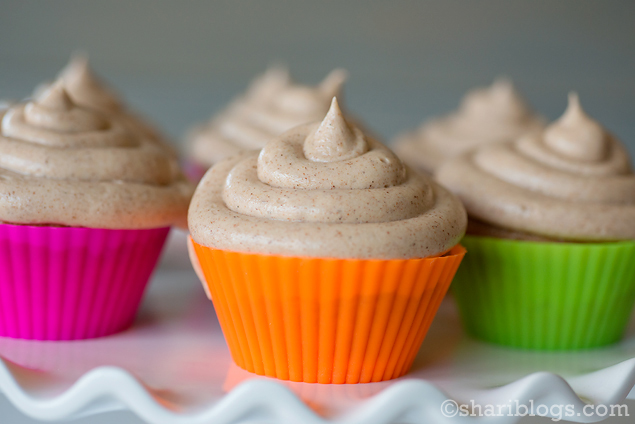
<point>408,60</point>
<point>177,62</point>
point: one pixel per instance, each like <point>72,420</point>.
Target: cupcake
<point>486,115</point>
<point>551,236</point>
<point>325,256</point>
<point>88,90</point>
<point>86,206</point>
<point>272,105</point>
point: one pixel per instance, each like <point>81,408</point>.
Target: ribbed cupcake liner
<point>65,283</point>
<point>546,296</point>
<point>325,320</point>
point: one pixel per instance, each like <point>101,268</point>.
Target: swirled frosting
<point>86,89</point>
<point>487,115</point>
<point>573,181</point>
<point>272,105</point>
<point>324,190</point>
<point>63,164</point>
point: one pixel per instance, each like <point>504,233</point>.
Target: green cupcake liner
<point>546,296</point>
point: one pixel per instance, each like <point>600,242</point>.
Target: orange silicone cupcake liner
<point>325,320</point>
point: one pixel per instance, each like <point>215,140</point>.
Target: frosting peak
<point>487,115</point>
<point>88,91</point>
<point>334,139</point>
<point>576,135</point>
<point>55,110</point>
<point>269,83</point>
<point>309,100</point>
<point>53,119</point>
<point>55,97</point>
<point>332,84</point>
<point>499,99</point>
<point>86,88</point>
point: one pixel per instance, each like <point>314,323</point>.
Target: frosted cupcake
<point>272,105</point>
<point>486,115</point>
<point>325,256</point>
<point>551,236</point>
<point>85,208</point>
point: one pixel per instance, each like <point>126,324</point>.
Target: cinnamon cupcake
<point>486,115</point>
<point>325,256</point>
<point>272,105</point>
<point>85,208</point>
<point>551,236</point>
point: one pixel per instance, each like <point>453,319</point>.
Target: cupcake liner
<point>546,296</point>
<point>193,170</point>
<point>325,320</point>
<point>65,283</point>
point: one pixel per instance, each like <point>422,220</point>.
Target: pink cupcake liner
<point>65,283</point>
<point>193,170</point>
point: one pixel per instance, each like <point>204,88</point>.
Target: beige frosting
<point>324,190</point>
<point>272,105</point>
<point>88,90</point>
<point>573,181</point>
<point>487,115</point>
<point>63,164</point>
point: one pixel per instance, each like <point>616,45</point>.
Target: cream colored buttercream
<point>573,182</point>
<point>63,164</point>
<point>272,104</point>
<point>488,115</point>
<point>88,90</point>
<point>324,190</point>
